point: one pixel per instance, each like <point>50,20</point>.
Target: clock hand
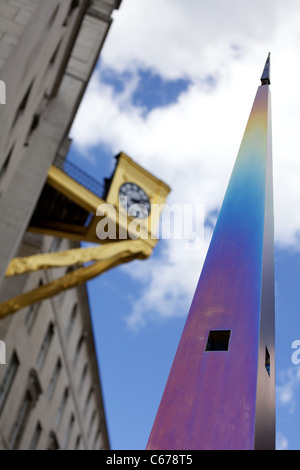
<point>136,201</point>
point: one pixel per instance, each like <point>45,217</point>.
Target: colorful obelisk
<point>220,393</point>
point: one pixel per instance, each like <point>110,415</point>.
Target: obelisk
<point>220,393</point>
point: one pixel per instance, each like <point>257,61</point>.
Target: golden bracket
<point>139,242</point>
<point>105,257</point>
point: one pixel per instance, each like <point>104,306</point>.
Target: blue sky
<point>173,89</point>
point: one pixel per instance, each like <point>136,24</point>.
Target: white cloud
<point>168,283</point>
<point>288,388</point>
<point>281,442</point>
<point>192,37</point>
<point>192,144</point>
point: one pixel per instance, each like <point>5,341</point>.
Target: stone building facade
<point>48,50</point>
<point>50,391</point>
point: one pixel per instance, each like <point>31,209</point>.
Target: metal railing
<point>79,175</point>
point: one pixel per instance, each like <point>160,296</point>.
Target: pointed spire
<point>265,78</point>
<point>232,311</point>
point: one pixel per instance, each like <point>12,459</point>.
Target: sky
<point>173,89</point>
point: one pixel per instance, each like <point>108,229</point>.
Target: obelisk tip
<point>265,78</point>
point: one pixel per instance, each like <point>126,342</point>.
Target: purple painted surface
<point>210,398</point>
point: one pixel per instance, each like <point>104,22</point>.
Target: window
<point>8,379</point>
<point>55,244</point>
<point>54,379</point>
<point>6,163</point>
<point>267,362</point>
<point>54,55</point>
<point>68,432</point>
<point>71,321</point>
<point>78,349</point>
<point>218,340</point>
<point>36,437</point>
<point>31,396</point>
<point>31,316</point>
<point>32,313</point>
<point>45,345</point>
<point>23,413</point>
<point>78,442</point>
<point>34,125</point>
<point>96,439</point>
<point>62,407</point>
<point>92,420</point>
<point>22,105</point>
<point>88,400</point>
<point>53,442</point>
<point>74,4</point>
<point>82,378</point>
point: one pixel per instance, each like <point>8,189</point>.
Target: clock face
<point>135,200</point>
